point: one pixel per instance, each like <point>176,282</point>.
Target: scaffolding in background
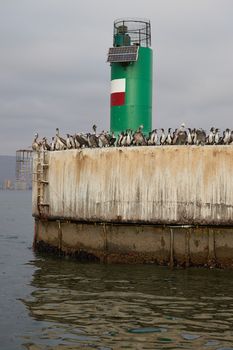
<point>23,169</point>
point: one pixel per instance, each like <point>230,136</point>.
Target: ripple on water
<point>188,336</point>
<point>53,304</point>
<point>144,330</point>
<point>144,314</point>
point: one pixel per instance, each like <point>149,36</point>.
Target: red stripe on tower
<point>118,92</point>
<point>117,98</point>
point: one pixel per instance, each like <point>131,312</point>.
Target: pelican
<point>93,140</point>
<point>200,137</point>
<point>35,143</point>
<point>181,137</point>
<point>68,142</point>
<point>138,137</point>
<point>45,145</point>
<point>103,140</point>
<point>60,142</point>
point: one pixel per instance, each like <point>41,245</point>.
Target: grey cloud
<point>54,73</point>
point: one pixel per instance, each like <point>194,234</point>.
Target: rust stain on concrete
<point>137,243</point>
<point>160,185</point>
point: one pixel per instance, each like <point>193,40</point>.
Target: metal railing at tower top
<point>138,31</point>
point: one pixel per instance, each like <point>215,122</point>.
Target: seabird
<point>226,137</point>
<point>155,136</point>
<point>162,137</point>
<point>60,142</point>
<point>35,143</point>
<point>77,144</point>
<point>128,138</point>
<point>45,145</point>
<point>94,127</point>
<point>216,137</point>
<point>112,139</point>
<point>182,128</point>
<point>189,137</point>
<point>200,137</point>
<point>82,140</point>
<point>68,142</point>
<point>168,140</point>
<point>210,138</point>
<point>181,137</point>
<point>152,138</point>
<point>52,145</point>
<point>93,140</point>
<point>174,137</point>
<point>120,137</point>
<point>231,138</point>
<point>103,140</point>
<point>138,137</point>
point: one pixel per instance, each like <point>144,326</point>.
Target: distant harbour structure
<point>23,169</point>
<point>8,185</point>
<point>131,60</point>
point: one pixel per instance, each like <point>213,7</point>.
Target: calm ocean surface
<point>48,303</point>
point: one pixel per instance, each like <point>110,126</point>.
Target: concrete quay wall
<point>113,243</point>
<point>166,205</point>
<point>177,185</point>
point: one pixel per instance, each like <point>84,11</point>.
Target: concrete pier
<point>166,204</point>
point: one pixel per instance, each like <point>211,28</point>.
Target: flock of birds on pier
<point>156,137</point>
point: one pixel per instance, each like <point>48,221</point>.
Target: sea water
<point>52,303</point>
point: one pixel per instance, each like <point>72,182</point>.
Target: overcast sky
<point>53,70</point>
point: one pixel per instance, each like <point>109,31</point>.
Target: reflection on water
<point>103,307</point>
<point>48,303</point>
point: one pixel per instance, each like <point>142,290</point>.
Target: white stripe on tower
<point>118,85</point>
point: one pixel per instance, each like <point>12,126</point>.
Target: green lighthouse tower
<point>131,75</point>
